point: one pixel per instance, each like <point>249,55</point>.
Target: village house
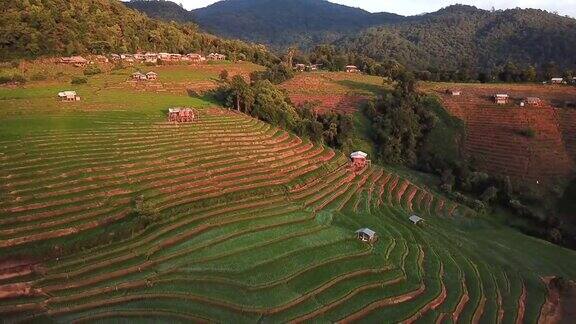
<point>216,57</point>
<point>181,115</point>
<point>359,160</point>
<point>68,96</point>
<point>453,92</point>
<point>366,235</point>
<point>416,220</point>
<point>115,57</point>
<point>352,69</point>
<point>195,58</point>
<point>151,76</point>
<point>77,61</point>
<point>501,99</point>
<point>164,56</point>
<point>557,80</point>
<point>313,67</point>
<point>175,57</point>
<point>139,76</point>
<point>300,67</point>
<point>101,59</point>
<point>151,58</point>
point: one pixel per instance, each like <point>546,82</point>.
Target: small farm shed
<point>68,96</point>
<point>359,159</point>
<point>352,69</point>
<point>181,115</point>
<point>366,235</point>
<point>300,67</point>
<point>77,61</point>
<point>139,76</point>
<point>416,219</point>
<point>501,99</point>
<point>151,76</point>
<point>195,58</point>
<point>557,80</point>
<point>453,92</point>
<point>216,57</point>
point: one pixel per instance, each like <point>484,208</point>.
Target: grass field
<point>246,223</point>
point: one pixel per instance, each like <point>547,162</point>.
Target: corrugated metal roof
<point>359,154</point>
<point>366,231</point>
<point>415,219</point>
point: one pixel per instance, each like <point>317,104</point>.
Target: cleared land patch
<point>530,143</point>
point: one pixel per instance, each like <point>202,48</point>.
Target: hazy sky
<point>414,7</point>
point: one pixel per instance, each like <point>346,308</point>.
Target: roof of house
<point>366,231</point>
<point>532,99</point>
<point>358,154</point>
<point>503,95</point>
<point>557,79</point>
<point>351,67</point>
<point>67,94</point>
<point>177,110</point>
<point>415,219</point>
<point>151,72</point>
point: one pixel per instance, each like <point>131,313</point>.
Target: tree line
<point>259,97</point>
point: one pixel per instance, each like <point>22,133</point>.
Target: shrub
<point>92,70</point>
<point>14,78</point>
<point>527,132</point>
<point>79,80</point>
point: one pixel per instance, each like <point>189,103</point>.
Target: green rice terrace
<point>109,212</point>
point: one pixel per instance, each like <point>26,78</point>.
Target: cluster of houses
<point>153,58</point>
<point>167,57</point>
<point>314,67</point>
<point>306,67</point>
<point>139,76</point>
<point>504,99</point>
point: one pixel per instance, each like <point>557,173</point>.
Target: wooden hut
<point>68,96</point>
<point>300,67</point>
<point>181,115</point>
<point>501,99</point>
<point>453,92</point>
<point>77,61</point>
<point>352,69</point>
<point>139,76</point>
<point>416,219</point>
<point>359,159</point>
<point>366,235</point>
<point>151,76</point>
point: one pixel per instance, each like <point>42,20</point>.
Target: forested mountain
<point>31,28</point>
<point>462,36</point>
<point>277,23</point>
<point>455,38</point>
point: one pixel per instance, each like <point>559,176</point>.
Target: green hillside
<point>119,215</point>
<point>32,28</point>
<point>463,36</point>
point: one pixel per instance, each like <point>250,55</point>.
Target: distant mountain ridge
<point>449,39</point>
<point>277,23</point>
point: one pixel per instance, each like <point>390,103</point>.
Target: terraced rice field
<point>494,136</point>
<point>250,224</point>
<point>338,92</point>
